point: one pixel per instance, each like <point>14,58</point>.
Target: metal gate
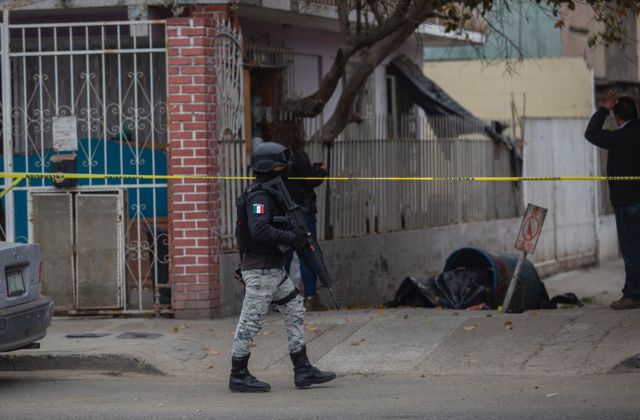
<point>233,161</point>
<point>91,96</point>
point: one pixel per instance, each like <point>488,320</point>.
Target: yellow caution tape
<point>62,176</point>
<point>59,176</point>
<point>16,182</point>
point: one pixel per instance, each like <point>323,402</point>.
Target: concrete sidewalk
<point>593,339</point>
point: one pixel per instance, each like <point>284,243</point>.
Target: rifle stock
<point>311,255</point>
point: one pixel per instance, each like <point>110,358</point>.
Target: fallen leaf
<point>393,317</point>
<point>213,352</point>
<point>488,316</point>
<point>312,329</point>
<point>210,367</point>
<point>469,327</point>
<point>265,333</point>
<point>508,325</point>
<point>406,316</point>
<point>626,324</point>
<point>535,313</point>
<point>355,343</point>
<point>184,326</point>
<point>553,394</point>
<point>253,345</point>
<point>175,328</point>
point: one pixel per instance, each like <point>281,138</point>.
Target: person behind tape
<point>263,245</point>
<point>623,145</point>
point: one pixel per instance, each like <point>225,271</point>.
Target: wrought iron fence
<point>356,208</point>
<point>94,93</point>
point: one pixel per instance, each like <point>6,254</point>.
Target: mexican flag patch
<point>258,209</point>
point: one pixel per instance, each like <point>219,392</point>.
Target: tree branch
<point>373,5</point>
<point>371,59</point>
<point>313,104</point>
<point>343,20</point>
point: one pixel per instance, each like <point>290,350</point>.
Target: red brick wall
<point>194,204</point>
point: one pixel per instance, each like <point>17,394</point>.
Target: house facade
<point>547,81</point>
<point>150,103</point>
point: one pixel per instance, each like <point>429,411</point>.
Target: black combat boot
<point>306,375</point>
<point>241,380</point>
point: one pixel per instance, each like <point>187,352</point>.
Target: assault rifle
<point>310,254</point>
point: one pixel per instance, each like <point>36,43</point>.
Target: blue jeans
<point>628,226</point>
<point>308,279</point>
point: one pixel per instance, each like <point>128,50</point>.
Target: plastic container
<point>530,290</point>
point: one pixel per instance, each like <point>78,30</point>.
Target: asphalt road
<point>75,395</point>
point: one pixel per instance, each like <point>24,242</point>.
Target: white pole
<point>10,233</point>
<point>513,283</point>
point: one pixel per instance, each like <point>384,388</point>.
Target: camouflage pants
<point>261,288</point>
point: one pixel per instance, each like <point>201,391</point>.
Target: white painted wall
<point>556,147</point>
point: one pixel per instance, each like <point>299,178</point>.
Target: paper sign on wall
<point>65,134</point>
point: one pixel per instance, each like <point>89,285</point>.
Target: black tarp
<point>461,289</point>
<point>456,289</point>
<point>436,102</point>
<point>428,95</point>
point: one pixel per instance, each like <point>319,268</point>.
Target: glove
<point>302,240</point>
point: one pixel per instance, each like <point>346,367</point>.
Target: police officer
<point>262,245</point>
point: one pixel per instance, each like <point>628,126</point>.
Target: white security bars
<point>96,90</point>
<point>420,148</point>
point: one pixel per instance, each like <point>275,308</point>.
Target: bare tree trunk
<point>343,114</point>
<point>404,14</point>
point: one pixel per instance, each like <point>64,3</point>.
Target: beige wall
<point>579,24</point>
<point>542,88</point>
<point>613,63</point>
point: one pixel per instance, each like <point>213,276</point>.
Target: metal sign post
<point>526,242</point>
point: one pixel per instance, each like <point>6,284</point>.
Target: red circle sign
<point>531,228</point>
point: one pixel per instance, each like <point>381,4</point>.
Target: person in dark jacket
<point>623,145</point>
<point>261,243</point>
<point>290,134</point>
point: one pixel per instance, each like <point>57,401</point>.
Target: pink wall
<point>314,52</point>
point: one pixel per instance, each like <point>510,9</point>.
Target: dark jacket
<point>624,156</point>
<point>261,250</point>
<point>302,191</point>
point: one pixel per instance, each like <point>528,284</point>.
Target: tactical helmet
<point>267,155</point>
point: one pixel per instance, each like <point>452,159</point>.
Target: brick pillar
<point>194,205</point>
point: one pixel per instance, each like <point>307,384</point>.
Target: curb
<point>107,362</point>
